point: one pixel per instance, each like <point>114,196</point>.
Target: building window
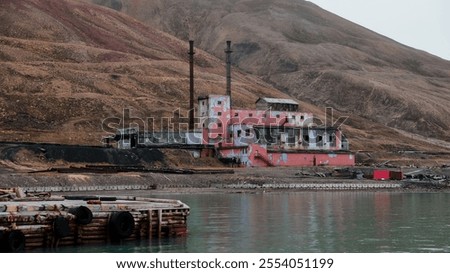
<point>278,116</point>
<point>219,125</point>
<point>239,132</point>
<point>219,113</point>
<point>236,114</point>
<point>203,102</point>
<point>219,102</point>
<point>306,138</point>
<point>231,135</point>
<point>302,117</point>
<point>250,115</point>
<point>247,132</point>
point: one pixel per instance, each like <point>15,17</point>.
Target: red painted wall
<point>312,159</point>
<point>298,159</point>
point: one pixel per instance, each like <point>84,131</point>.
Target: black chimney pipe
<point>191,85</point>
<point>228,52</point>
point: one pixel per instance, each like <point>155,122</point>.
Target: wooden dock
<point>45,221</point>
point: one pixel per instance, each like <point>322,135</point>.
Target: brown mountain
<point>66,66</point>
<point>314,56</point>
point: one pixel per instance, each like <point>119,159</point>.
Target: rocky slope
<point>67,66</point>
<point>314,56</point>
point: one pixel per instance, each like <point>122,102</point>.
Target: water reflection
<point>307,222</point>
<point>320,222</point>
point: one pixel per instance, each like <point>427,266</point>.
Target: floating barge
<point>44,221</point>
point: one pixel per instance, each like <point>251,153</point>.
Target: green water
<point>306,222</point>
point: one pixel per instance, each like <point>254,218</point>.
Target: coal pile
<point>83,154</point>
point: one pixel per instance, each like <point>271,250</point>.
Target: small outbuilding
<point>272,104</point>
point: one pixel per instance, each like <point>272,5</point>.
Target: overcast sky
<point>422,24</point>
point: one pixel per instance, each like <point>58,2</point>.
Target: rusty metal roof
<point>274,100</point>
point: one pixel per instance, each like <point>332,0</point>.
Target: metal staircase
<point>264,159</point>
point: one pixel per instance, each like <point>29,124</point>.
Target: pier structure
<point>41,222</point>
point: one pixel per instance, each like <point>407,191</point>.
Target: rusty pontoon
<point>41,221</point>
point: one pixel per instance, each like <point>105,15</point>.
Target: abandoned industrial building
<point>275,133</point>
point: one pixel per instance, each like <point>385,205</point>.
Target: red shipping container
<point>381,174</point>
<point>396,175</point>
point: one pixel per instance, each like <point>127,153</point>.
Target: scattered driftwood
<point>18,194</point>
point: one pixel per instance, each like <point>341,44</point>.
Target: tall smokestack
<point>228,52</point>
<point>191,85</point>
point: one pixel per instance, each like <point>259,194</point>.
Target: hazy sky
<point>423,24</point>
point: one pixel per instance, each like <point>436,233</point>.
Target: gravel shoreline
<point>243,179</point>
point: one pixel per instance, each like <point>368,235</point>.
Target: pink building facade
<point>273,134</point>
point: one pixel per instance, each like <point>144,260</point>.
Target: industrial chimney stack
<point>228,52</point>
<point>191,85</point>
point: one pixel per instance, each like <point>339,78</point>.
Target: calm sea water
<point>305,222</point>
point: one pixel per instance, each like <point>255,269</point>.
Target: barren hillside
<point>66,66</point>
<point>314,56</point>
